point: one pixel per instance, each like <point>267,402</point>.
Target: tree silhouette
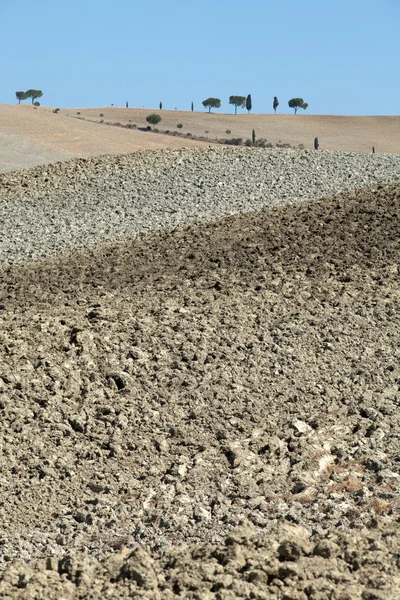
<point>21,96</point>
<point>237,101</point>
<point>211,103</point>
<point>34,94</point>
<point>297,103</point>
<point>248,103</point>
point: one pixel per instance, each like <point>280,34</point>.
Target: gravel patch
<point>82,203</point>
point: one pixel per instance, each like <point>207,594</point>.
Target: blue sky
<point>342,57</point>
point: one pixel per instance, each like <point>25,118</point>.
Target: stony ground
<point>83,203</point>
<point>210,412</point>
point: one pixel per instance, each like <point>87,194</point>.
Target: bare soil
<point>158,394</point>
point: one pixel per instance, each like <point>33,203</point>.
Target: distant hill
<point>31,136</point>
<point>349,134</point>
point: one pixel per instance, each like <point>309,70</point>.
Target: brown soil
<point>156,394</point>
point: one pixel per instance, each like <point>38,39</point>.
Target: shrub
<point>78,113</point>
<point>261,143</point>
<point>206,132</point>
<point>301,146</point>
<point>179,126</point>
<point>101,114</point>
<point>228,131</point>
<point>232,141</point>
<point>167,131</point>
<point>189,134</point>
<point>56,110</point>
<point>248,143</point>
<point>36,103</point>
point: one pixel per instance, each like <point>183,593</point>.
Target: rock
<point>301,426</point>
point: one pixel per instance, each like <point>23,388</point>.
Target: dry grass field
<point>31,136</point>
<point>349,134</point>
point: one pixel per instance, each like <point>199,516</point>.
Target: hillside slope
<point>30,137</point>
<point>349,134</point>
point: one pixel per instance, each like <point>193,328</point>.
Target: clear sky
<point>342,57</point>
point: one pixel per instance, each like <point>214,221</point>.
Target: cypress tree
<point>248,103</point>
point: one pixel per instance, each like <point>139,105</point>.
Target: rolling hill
<point>32,136</point>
